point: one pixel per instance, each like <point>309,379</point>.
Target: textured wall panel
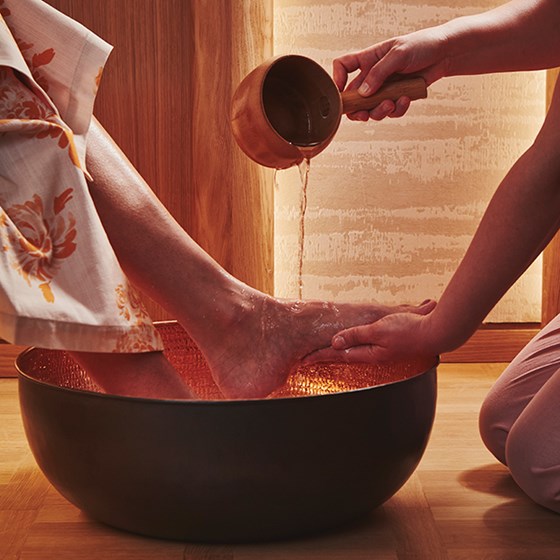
<point>392,206</point>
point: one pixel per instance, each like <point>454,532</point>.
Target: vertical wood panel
<point>165,98</point>
<point>551,256</point>
<point>231,191</point>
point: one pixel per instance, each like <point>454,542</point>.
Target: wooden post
<point>165,98</point>
<point>551,255</point>
<point>233,211</point>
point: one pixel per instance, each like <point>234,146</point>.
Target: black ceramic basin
<point>334,443</point>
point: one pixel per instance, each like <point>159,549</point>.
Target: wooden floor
<point>459,505</point>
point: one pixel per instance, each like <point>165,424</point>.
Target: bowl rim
<point>201,402</point>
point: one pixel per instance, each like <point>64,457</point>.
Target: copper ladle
<point>288,109</point>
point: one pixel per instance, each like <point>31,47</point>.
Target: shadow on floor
<point>521,528</point>
<point>493,478</point>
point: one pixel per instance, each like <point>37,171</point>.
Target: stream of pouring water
<point>303,167</point>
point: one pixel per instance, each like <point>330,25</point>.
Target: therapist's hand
<point>422,53</point>
<point>393,338</point>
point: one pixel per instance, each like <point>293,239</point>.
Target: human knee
<point>534,463</point>
<point>494,426</point>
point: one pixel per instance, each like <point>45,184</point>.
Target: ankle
<point>235,306</point>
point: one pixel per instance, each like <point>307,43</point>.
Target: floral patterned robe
<point>60,283</point>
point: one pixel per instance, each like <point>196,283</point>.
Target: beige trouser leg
<point>520,417</point>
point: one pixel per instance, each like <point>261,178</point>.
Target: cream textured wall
<point>392,205</point>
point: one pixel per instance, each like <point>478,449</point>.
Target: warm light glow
<point>57,368</point>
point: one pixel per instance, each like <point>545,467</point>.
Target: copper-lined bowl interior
<point>330,445</point>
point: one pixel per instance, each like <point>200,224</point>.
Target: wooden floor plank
<point>416,532</point>
<point>8,355</point>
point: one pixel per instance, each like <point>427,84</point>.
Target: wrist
<point>457,38</point>
<point>441,335</point>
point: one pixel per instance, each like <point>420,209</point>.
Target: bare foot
<point>252,351</point>
<point>251,344</point>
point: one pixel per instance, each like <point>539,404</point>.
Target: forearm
<point>519,35</point>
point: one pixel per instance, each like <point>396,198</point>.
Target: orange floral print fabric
<point>60,283</point>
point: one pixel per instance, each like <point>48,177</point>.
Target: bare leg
<point>250,340</point>
<point>136,375</point>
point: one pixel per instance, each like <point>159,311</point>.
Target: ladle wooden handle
<point>413,88</point>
